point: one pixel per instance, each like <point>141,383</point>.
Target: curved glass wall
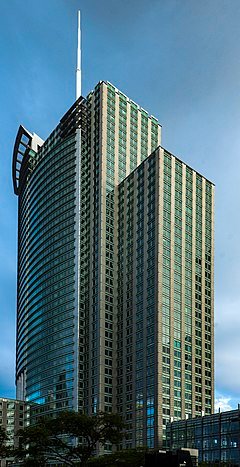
<point>46,324</point>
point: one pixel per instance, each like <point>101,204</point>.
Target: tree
<point>124,458</point>
<point>4,450</point>
<point>70,438</point>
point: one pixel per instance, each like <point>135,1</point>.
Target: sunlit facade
<point>165,297</point>
<point>122,134</point>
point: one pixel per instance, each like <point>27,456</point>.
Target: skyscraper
<point>122,135</point>
<point>115,270</point>
<point>67,253</point>
<point>165,297</point>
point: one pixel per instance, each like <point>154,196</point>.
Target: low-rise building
<point>216,436</point>
<point>12,419</point>
<point>178,458</point>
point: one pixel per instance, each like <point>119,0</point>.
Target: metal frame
<point>74,118</point>
<point>20,157</point>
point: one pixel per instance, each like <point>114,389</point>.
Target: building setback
<point>165,298</point>
<point>115,270</point>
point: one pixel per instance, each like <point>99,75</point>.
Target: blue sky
<point>180,60</point>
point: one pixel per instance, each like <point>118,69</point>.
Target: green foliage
<point>4,450</point>
<point>129,457</point>
<point>56,439</point>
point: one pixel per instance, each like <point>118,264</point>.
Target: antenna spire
<point>78,69</point>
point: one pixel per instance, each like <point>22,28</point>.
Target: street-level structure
<point>216,436</point>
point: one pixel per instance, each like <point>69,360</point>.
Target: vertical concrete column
<point>193,290</point>
<point>159,330</point>
<point>203,290</point>
<point>212,299</point>
<point>183,290</point>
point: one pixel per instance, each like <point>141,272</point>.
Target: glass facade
<point>46,278</point>
<point>215,436</point>
<point>48,330</point>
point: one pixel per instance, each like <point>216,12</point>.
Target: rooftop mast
<point>78,69</point>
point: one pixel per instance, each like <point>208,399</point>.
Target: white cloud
<point>223,403</point>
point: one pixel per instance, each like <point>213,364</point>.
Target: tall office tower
<point>122,135</point>
<point>165,297</point>
<point>67,190</point>
<point>49,326</point>
<point>115,270</point>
